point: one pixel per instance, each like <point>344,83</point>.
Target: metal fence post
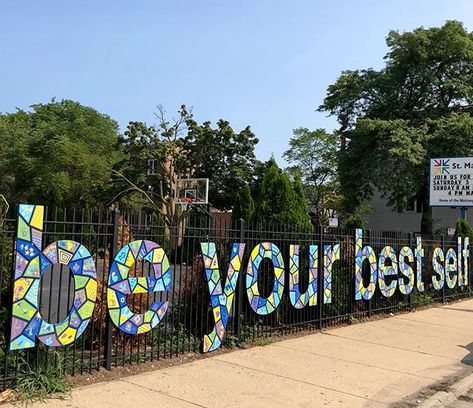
<point>320,283</point>
<point>368,235</point>
<point>469,276</point>
<point>9,303</point>
<point>442,240</point>
<point>109,324</point>
<point>410,294</point>
<point>240,287</point>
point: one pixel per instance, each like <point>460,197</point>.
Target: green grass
<point>353,320</point>
<point>41,379</point>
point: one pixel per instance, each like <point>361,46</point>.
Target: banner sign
<point>390,270</point>
<point>451,182</point>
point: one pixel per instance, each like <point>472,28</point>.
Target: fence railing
<point>190,315</point>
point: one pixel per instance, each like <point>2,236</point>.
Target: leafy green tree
<point>155,158</point>
<point>182,148</point>
<point>222,155</point>
<point>314,155</point>
<point>59,153</point>
<point>394,119</point>
<point>244,207</point>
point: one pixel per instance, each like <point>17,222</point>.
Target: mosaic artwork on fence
<point>120,286</point>
<point>459,262</point>
<point>451,268</point>
<point>259,304</point>
<point>393,270</point>
<point>419,253</point>
<point>300,300</point>
<point>385,270</point>
<point>30,264</point>
<point>465,255</point>
<point>362,253</point>
<point>438,259</point>
<point>405,254</point>
<point>331,255</point>
<point>221,299</point>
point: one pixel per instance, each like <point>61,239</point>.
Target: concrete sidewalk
<point>372,364</point>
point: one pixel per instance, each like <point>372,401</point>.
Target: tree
<point>314,155</point>
<point>301,211</point>
<point>182,148</point>
<point>396,118</point>
<point>244,207</point>
<point>463,229</point>
<point>225,157</point>
<point>163,146</point>
<point>59,153</point>
<point>277,202</point>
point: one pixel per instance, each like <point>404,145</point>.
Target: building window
<point>152,167</point>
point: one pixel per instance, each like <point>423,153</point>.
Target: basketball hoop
<point>184,202</point>
<point>195,191</point>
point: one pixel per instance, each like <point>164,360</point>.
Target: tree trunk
<point>426,224</point>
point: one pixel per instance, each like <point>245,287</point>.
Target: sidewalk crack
<point>357,363</point>
<point>301,381</point>
<point>162,393</point>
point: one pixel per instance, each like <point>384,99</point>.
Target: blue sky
<point>261,63</point>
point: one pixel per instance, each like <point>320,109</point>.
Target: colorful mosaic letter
<point>299,300</point>
<point>387,270</point>
<point>466,256</point>
<point>419,252</point>
<point>258,304</point>
<point>451,268</point>
<point>459,261</point>
<point>438,259</point>
<point>221,299</point>
<point>330,256</point>
<point>120,286</point>
<point>406,270</point>
<point>30,264</point>
<point>362,253</point>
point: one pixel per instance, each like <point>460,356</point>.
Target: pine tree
<point>279,202</point>
<point>266,206</point>
<point>285,202</point>
<point>301,210</point>
<point>244,205</point>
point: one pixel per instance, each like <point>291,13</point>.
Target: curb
<point>443,398</point>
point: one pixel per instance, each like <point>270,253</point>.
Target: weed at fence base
<point>42,378</point>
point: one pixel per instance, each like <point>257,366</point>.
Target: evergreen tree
<point>266,206</point>
<point>286,203</point>
<point>301,211</point>
<point>277,200</point>
<point>244,205</point>
<point>463,229</point>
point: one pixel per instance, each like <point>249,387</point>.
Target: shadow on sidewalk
<point>468,359</point>
<point>457,310</point>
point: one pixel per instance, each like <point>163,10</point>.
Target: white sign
<point>333,222</point>
<point>451,182</point>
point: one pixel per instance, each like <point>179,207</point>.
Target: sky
<point>262,63</point>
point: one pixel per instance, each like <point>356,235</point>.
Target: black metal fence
<point>189,316</point>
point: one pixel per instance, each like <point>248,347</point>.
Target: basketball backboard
<point>192,191</point>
